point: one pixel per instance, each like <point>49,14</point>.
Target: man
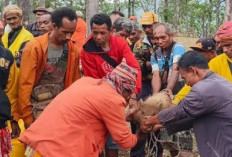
<point>209,109</point>
<point>207,47</point>
<point>15,41</point>
<point>122,27</point>
<point>46,23</point>
<point>6,61</point>
<point>1,31</point>
<point>86,103</point>
<point>222,64</point>
<point>114,15</point>
<point>102,52</point>
<point>79,35</point>
<point>34,27</point>
<point>135,34</point>
<point>164,60</point>
<point>50,63</point>
<point>142,50</point>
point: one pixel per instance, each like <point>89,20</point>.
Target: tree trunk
<point>176,20</point>
<point>6,2</point>
<point>154,2</point>
<point>92,8</point>
<point>129,8</point>
<point>166,9</point>
<point>42,3</point>
<point>228,16</point>
<point>116,5</point>
<point>143,6</point>
<point>27,7</point>
<point>218,6</point>
<point>133,7</point>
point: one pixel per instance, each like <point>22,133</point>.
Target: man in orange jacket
<point>79,35</point>
<point>49,64</point>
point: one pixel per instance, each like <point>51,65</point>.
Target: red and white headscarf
<point>122,77</point>
<point>224,33</point>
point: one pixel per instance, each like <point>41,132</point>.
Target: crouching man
<point>84,114</point>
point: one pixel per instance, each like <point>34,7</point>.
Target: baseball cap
<point>40,9</point>
<point>149,18</point>
<point>205,44</point>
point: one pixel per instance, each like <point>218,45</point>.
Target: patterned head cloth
<point>122,77</point>
<point>12,9</point>
<point>224,33</point>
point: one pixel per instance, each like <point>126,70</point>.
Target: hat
<point>12,9</point>
<point>122,77</point>
<point>40,9</point>
<point>224,33</point>
<point>205,44</point>
<point>149,18</point>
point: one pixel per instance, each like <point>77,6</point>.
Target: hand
<point>130,113</point>
<point>148,123</point>
<point>15,129</point>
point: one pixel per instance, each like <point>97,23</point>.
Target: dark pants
<point>139,149</point>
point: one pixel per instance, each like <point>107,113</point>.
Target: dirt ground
<point>186,41</point>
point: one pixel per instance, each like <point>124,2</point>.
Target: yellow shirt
<point>219,65</point>
<point>12,86</point>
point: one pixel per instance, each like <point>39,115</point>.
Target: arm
<point>113,115</point>
<point>27,81</point>
<point>156,80</point>
<point>178,51</point>
<point>174,77</point>
<point>88,64</point>
<point>131,61</point>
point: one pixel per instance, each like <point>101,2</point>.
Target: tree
<point>92,8</point>
<point>6,2</point>
<point>228,16</point>
<point>42,3</point>
<point>27,7</point>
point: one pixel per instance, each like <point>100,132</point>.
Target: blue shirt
<point>158,62</point>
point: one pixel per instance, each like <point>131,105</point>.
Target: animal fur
<point>152,106</point>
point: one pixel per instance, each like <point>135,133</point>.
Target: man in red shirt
<point>103,51</point>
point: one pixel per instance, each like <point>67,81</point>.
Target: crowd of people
<point>71,90</point>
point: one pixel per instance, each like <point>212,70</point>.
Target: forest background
<point>199,17</point>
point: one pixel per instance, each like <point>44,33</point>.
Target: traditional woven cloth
<point>5,142</point>
<point>224,33</point>
<point>12,9</point>
<point>122,77</point>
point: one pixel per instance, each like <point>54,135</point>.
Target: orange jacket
<point>79,35</point>
<point>77,122</point>
<point>32,65</point>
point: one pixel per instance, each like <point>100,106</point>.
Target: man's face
<point>1,33</point>
<point>38,15</point>
<point>190,76</point>
<point>64,33</point>
<point>148,29</point>
<point>122,33</point>
<point>135,36</point>
<point>227,49</point>
<point>162,39</point>
<point>101,34</point>
<point>13,19</point>
<point>46,23</point>
<point>126,94</point>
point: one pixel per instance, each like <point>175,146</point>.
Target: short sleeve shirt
<point>158,60</point>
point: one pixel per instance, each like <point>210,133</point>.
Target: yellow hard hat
<point>149,18</point>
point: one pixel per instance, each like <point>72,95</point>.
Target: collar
<point>146,41</point>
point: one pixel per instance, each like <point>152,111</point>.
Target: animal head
<point>152,106</point>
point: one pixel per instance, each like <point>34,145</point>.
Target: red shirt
<point>95,66</point>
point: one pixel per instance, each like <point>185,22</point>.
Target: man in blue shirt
<point>164,60</point>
